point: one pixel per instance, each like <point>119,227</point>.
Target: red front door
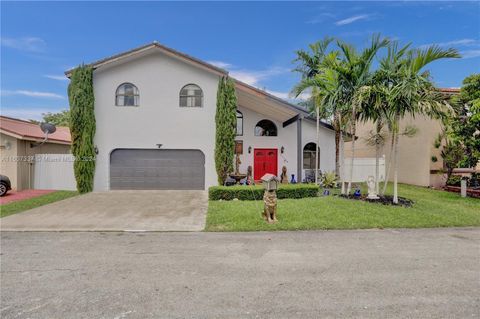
<point>264,161</point>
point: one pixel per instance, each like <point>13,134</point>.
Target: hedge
<point>242,192</point>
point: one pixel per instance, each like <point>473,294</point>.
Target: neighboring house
<point>415,154</point>
<point>155,115</point>
<point>17,146</point>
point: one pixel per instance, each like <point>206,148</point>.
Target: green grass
<point>20,206</point>
<point>432,208</point>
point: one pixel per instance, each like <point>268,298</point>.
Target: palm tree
<point>309,65</point>
<point>401,88</point>
<point>353,72</point>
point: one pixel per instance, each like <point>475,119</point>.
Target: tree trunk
<point>338,133</point>
<point>317,144</point>
<point>377,157</point>
<point>395,171</point>
<point>353,132</point>
<point>342,160</point>
<point>388,165</point>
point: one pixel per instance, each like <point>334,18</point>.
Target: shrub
<point>256,192</point>
<point>225,123</point>
<point>82,126</point>
<point>454,180</point>
<point>329,180</point>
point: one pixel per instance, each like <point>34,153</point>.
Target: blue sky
<point>256,41</point>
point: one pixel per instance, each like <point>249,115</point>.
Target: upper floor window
<point>127,95</point>
<point>265,128</point>
<point>239,123</point>
<point>191,95</point>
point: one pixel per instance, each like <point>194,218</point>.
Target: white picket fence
<point>54,171</point>
<point>362,168</point>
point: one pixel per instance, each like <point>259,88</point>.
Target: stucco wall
<point>414,154</point>
<point>17,162</point>
<point>327,144</point>
<point>158,119</point>
<point>8,165</point>
<point>287,137</point>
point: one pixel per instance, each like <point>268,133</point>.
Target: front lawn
<point>432,208</point>
<point>20,206</point>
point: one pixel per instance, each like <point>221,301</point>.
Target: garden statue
<point>372,194</point>
<point>237,176</point>
<point>270,182</point>
<point>249,176</point>
<point>284,176</point>
<point>237,164</point>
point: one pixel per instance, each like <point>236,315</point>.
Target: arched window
<point>239,123</point>
<point>265,128</point>
<point>127,95</point>
<point>191,95</point>
<point>309,156</point>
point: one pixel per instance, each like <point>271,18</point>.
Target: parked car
<point>5,185</point>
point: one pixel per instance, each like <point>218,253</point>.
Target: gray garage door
<point>157,169</point>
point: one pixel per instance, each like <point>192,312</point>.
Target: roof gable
<point>155,46</point>
<point>137,52</point>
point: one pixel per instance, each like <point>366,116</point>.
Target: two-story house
<point>155,115</point>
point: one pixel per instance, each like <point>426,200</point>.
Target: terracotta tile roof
<point>29,131</point>
<point>449,90</point>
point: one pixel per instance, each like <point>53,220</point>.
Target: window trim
<point>241,116</point>
<point>312,154</point>
<point>274,125</point>
<point>137,96</point>
<point>187,96</point>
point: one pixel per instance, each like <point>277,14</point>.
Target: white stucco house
<point>155,115</point>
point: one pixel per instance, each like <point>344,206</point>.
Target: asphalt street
<point>424,273</point>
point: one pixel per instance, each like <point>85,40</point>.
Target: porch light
<point>249,149</point>
<point>282,149</point>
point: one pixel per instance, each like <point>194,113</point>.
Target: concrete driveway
<point>419,273</point>
<point>116,211</point>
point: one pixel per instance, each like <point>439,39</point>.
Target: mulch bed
<point>384,200</point>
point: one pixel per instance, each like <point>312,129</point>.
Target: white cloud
<point>459,42</point>
<point>220,64</point>
<point>28,113</point>
<point>56,77</point>
<point>254,77</point>
<point>30,44</point>
<point>352,19</point>
<point>470,54</point>
<point>289,96</point>
<point>32,94</point>
<point>321,18</point>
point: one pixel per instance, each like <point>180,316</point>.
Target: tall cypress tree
<point>225,120</point>
<point>82,126</point>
